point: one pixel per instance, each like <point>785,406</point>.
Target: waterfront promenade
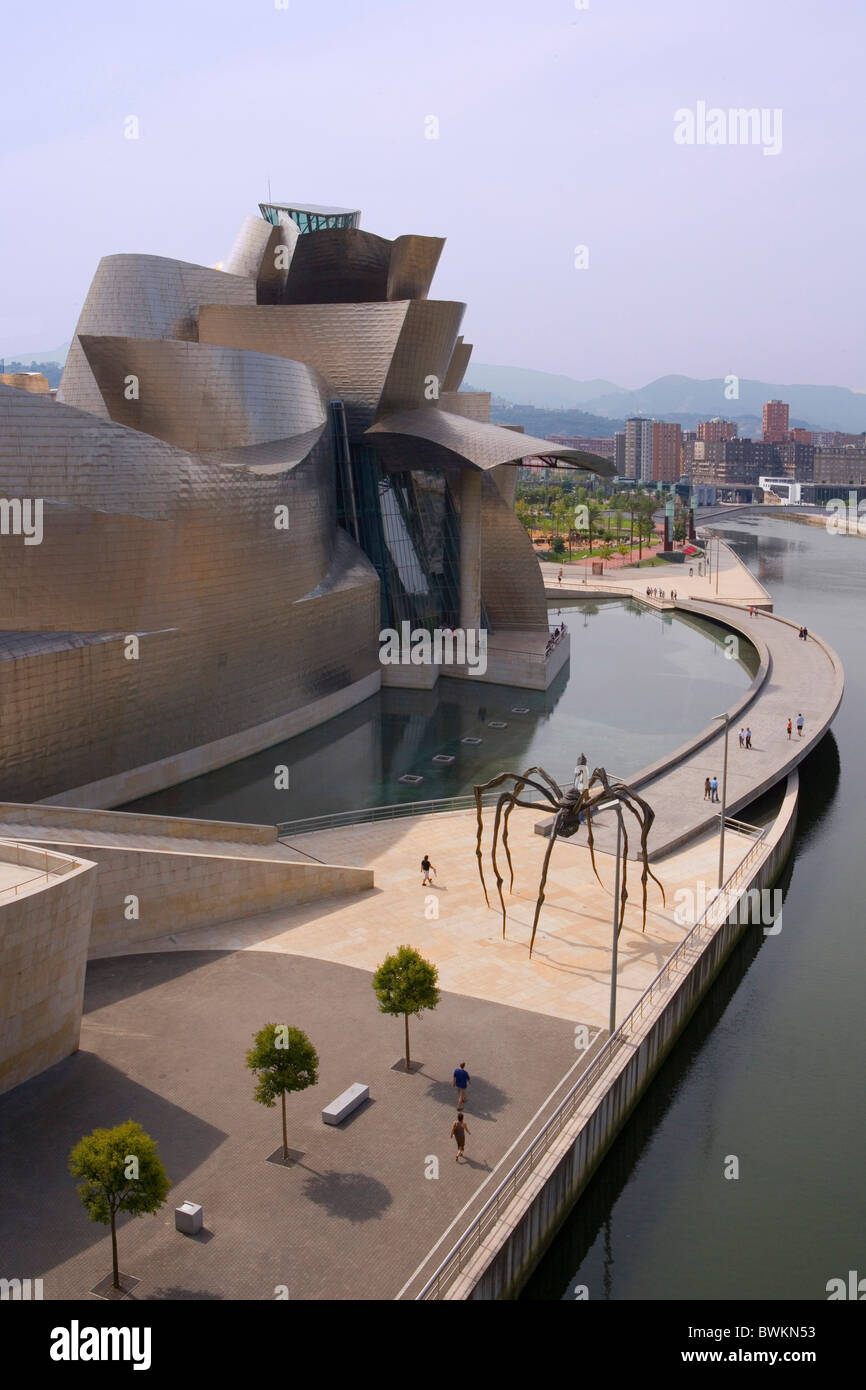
<point>167,1023</point>
<point>793,677</point>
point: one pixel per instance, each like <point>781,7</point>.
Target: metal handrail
<point>31,849</point>
<point>398,809</point>
<point>472,1238</point>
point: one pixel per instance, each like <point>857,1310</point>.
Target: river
<point>770,1070</point>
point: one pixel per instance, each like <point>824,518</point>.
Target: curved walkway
<point>794,677</point>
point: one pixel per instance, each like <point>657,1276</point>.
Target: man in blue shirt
<point>461,1081</point>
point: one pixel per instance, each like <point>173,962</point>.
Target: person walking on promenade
<point>805,634</point>
<point>461,1081</point>
<point>789,726</point>
<point>742,738</point>
<point>707,789</point>
<point>748,738</point>
<point>426,869</point>
<point>751,611</point>
<point>559,577</point>
<point>800,722</point>
<point>459,1131</point>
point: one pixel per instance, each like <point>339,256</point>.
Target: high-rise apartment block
<point>667,451</point>
<point>775,425</point>
<point>639,448</point>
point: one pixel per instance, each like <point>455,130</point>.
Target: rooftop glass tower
<point>310,217</point>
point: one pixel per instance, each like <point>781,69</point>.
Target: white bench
<point>337,1111</point>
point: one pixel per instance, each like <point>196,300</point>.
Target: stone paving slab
<point>568,976</point>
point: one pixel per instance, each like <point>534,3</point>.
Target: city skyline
<point>548,137</point>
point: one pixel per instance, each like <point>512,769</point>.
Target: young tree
<point>405,984</point>
<point>283,1059</point>
<point>122,1171</point>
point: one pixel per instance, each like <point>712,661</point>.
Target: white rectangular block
<point>188,1218</point>
<point>351,1098</point>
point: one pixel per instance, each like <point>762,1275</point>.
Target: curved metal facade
<point>220,541</point>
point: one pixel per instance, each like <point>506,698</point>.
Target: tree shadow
<point>483,1099</point>
<point>353,1196</point>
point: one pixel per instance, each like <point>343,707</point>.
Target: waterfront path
<point>794,677</point>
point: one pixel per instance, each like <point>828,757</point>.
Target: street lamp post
<point>727,719</point>
<point>614,806</point>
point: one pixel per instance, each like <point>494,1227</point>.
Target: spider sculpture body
<point>571,808</point>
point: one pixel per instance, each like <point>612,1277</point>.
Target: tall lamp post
<point>614,806</point>
<point>727,719</point>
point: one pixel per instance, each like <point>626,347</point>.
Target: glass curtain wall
<point>409,528</point>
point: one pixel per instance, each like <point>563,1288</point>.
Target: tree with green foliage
<point>405,983</point>
<point>121,1172</point>
<point>284,1060</point>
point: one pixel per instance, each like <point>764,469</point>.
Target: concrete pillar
<point>470,549</point>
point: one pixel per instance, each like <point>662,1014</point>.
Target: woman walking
<point>459,1131</point>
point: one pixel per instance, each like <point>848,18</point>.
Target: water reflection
<point>637,684</point>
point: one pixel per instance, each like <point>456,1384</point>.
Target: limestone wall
<point>175,891</point>
<point>44,931</point>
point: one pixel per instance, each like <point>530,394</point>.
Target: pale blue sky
<point>556,129</point>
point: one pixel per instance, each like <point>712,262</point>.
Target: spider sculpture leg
<point>479,792</point>
<point>552,841</point>
<point>507,800</point>
<point>517,790</point>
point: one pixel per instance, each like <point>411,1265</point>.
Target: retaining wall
<point>530,1222</point>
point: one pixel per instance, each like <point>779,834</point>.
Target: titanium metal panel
<point>200,396</point>
<point>412,266</point>
<point>473,442</point>
<point>351,345</point>
<point>421,357</point>
<point>143,297</point>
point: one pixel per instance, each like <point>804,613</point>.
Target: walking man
<point>459,1131</point>
<point>789,726</point>
<point>800,722</point>
<point>714,788</point>
<point>742,738</point>
<point>427,869</point>
<point>461,1081</point>
<point>748,738</point>
<point>559,577</point>
<point>707,789</point>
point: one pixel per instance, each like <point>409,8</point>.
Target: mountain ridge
<point>675,397</point>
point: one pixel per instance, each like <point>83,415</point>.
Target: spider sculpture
<point>572,808</point>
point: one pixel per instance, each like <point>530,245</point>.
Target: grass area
<point>647,564</point>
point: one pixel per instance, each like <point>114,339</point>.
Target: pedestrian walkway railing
<point>366,815</point>
<point>716,912</point>
<point>10,853</point>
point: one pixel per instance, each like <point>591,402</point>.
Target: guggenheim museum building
<point>248,473</point>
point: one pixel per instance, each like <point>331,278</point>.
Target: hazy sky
<point>556,129</point>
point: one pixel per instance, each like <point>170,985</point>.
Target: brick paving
<point>163,1042</point>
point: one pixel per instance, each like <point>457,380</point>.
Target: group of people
<point>654,592</point>
<point>745,738</point>
<point>803,634</point>
<point>711,789</point>
<point>554,638</point>
<point>800,722</point>
<point>460,1128</point>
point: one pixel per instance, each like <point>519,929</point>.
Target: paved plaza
<point>164,1041</point>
